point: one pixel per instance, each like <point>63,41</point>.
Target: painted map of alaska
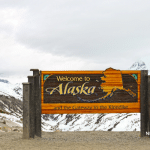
<point>112,81</point>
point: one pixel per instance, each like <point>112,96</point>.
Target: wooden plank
<point>45,111</point>
<point>115,78</point>
<point>37,102</point>
<point>26,110</point>
<point>88,72</point>
<point>149,105</point>
<point>32,106</point>
<point>106,87</point>
<point>52,106</point>
<point>144,112</point>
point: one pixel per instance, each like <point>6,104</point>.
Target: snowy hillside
<point>12,110</point>
<point>9,89</point>
<point>143,64</point>
<point>139,65</point>
<point>91,122</point>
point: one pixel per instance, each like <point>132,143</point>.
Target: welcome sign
<point>109,91</point>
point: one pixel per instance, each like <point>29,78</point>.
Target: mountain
<point>138,65</point>
<point>11,106</point>
<point>11,111</point>
<point>9,89</point>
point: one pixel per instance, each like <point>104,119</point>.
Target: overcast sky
<point>72,34</point>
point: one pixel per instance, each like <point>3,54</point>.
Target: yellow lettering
<point>84,88</point>
<point>59,78</point>
<point>58,89</point>
<point>91,89</point>
<point>66,78</point>
<point>77,89</point>
<point>71,90</point>
<point>80,79</point>
<point>66,86</point>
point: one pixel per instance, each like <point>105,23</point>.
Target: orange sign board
<point>109,91</point>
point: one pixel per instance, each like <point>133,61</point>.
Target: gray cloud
<point>106,33</point>
<point>90,29</point>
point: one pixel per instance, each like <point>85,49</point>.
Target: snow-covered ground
<point>93,122</point>
<point>16,120</point>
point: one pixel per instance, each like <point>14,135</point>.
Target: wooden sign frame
<point>61,108</point>
<point>33,105</point>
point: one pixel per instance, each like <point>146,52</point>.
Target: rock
<point>15,130</point>
<point>3,111</point>
<point>21,119</point>
<point>6,129</point>
<point>58,131</point>
<point>2,121</point>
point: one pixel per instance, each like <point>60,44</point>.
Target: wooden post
<point>149,105</point>
<point>26,110</point>
<point>32,107</point>
<point>144,102</point>
<point>37,100</point>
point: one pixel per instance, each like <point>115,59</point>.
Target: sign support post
<point>149,105</point>
<point>144,102</point>
<point>37,102</point>
<point>31,80</point>
<point>26,110</point>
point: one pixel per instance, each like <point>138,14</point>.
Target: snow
<point>139,65</point>
<point>8,89</point>
<point>11,118</point>
<point>87,122</point>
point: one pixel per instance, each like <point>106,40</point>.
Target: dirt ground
<point>94,140</point>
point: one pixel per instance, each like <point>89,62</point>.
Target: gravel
<point>94,140</point>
